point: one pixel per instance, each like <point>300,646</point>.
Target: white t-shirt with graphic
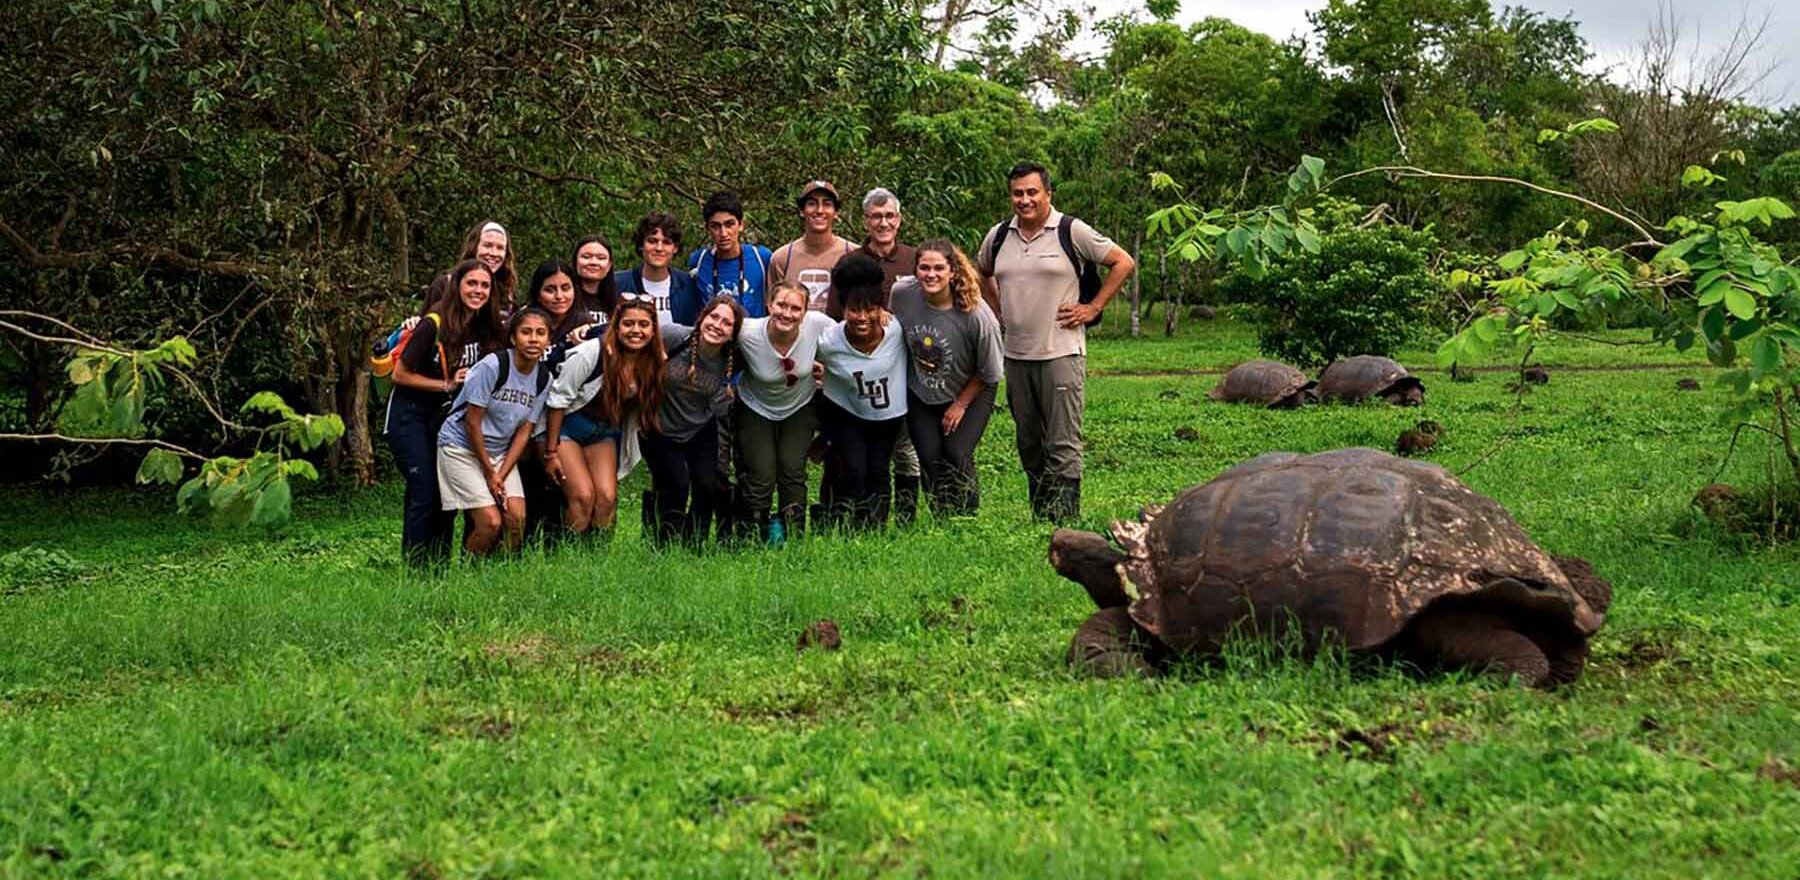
<point>658,291</point>
<point>870,386</point>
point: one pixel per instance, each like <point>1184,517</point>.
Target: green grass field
<point>183,701</point>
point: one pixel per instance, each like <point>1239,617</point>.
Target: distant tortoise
<point>1270,383</point>
<point>1355,379</point>
<point>1390,556</point>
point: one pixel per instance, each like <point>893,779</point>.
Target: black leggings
<point>684,475</point>
<point>862,452</point>
<point>948,463</point>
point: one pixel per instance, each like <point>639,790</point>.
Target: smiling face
<point>933,273</point>
<point>658,249</point>
<point>787,309</point>
<point>882,223</point>
<point>862,322</point>
<point>532,337</point>
<point>476,285</point>
<point>819,211</point>
<point>556,295</point>
<point>716,326</point>
<point>635,328</point>
<point>491,249</point>
<point>1030,199</point>
<point>593,263</point>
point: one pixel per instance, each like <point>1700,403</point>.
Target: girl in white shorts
<point>480,445</point>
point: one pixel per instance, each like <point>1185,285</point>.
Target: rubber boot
<point>1037,485</point>
<point>1063,504</point>
<point>906,499</point>
<point>793,521</point>
<point>649,513</point>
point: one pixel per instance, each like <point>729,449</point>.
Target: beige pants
<point>1047,399</point>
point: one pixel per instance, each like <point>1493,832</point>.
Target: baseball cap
<point>815,186</point>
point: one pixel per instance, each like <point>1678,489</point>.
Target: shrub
<point>1365,291</point>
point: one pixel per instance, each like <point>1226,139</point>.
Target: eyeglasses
<point>787,366</point>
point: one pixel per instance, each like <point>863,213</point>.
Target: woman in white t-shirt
<point>775,417</point>
<point>864,406</point>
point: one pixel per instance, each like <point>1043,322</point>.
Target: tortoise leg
<point>1109,645</point>
<point>1482,642</point>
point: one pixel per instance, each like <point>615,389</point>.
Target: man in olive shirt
<point>881,220</point>
<point>1037,286</point>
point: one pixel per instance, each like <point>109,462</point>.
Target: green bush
<point>1365,291</point>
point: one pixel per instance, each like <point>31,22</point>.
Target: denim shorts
<point>583,431</point>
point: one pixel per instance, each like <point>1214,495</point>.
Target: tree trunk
<point>352,405</point>
<point>1137,288</point>
<point>1162,273</point>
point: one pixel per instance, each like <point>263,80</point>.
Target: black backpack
<point>1088,273</point>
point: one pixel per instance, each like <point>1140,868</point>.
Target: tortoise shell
<point>1354,542</point>
<point>1269,383</point>
<point>1358,378</point>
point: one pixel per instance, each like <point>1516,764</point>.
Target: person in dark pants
<point>864,406</point>
<point>954,367</point>
<point>462,328</point>
<point>682,448</point>
<point>775,414</point>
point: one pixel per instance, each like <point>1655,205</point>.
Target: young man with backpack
<point>1042,273</point>
<point>728,265</point>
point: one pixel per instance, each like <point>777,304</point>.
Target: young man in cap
<point>1035,262</point>
<point>729,265</point>
<point>809,259</point>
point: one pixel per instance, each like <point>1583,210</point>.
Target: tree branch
<point>232,267</point>
<point>129,441</point>
<point>1416,172</point>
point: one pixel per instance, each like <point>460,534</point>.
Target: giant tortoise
<point>1354,379</point>
<point>1269,383</point>
<point>1378,553</point>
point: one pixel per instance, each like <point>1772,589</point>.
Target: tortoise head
<point>1305,395</point>
<point>1406,391</point>
<point>1105,571</point>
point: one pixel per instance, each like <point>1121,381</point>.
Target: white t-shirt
<point>765,387</point>
<point>871,386</point>
<point>658,291</point>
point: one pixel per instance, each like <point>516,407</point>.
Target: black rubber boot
<point>793,522</point>
<point>1063,501</point>
<point>906,499</point>
<point>1038,486</point>
<point>649,513</point>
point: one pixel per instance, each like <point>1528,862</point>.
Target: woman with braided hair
<point>682,446</point>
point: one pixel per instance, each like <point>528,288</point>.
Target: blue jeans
<point>412,429</point>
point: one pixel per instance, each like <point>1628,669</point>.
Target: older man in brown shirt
<point>1036,286</point>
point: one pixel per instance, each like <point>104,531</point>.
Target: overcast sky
<point>1612,27</point>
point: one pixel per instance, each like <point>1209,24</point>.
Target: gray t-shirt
<point>870,386</point>
<point>765,386</point>
<point>947,345</point>
<point>514,403</point>
<point>692,385</point>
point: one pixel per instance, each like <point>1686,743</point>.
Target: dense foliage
<point>1364,291</point>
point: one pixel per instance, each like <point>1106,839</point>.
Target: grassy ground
<point>177,700</point>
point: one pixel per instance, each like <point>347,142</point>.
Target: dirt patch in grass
<point>1780,771</point>
<point>424,869</point>
<point>801,712</point>
<point>610,661</point>
<point>790,839</point>
<point>525,649</point>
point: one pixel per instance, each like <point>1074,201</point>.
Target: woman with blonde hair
<point>954,367</point>
<point>775,417</point>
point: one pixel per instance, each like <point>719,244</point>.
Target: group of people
<point>524,409</point>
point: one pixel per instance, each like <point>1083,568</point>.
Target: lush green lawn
<point>182,701</point>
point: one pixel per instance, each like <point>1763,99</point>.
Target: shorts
<point>461,483</point>
<point>583,431</point>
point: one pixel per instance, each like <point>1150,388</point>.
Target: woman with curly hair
<point>953,340</point>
